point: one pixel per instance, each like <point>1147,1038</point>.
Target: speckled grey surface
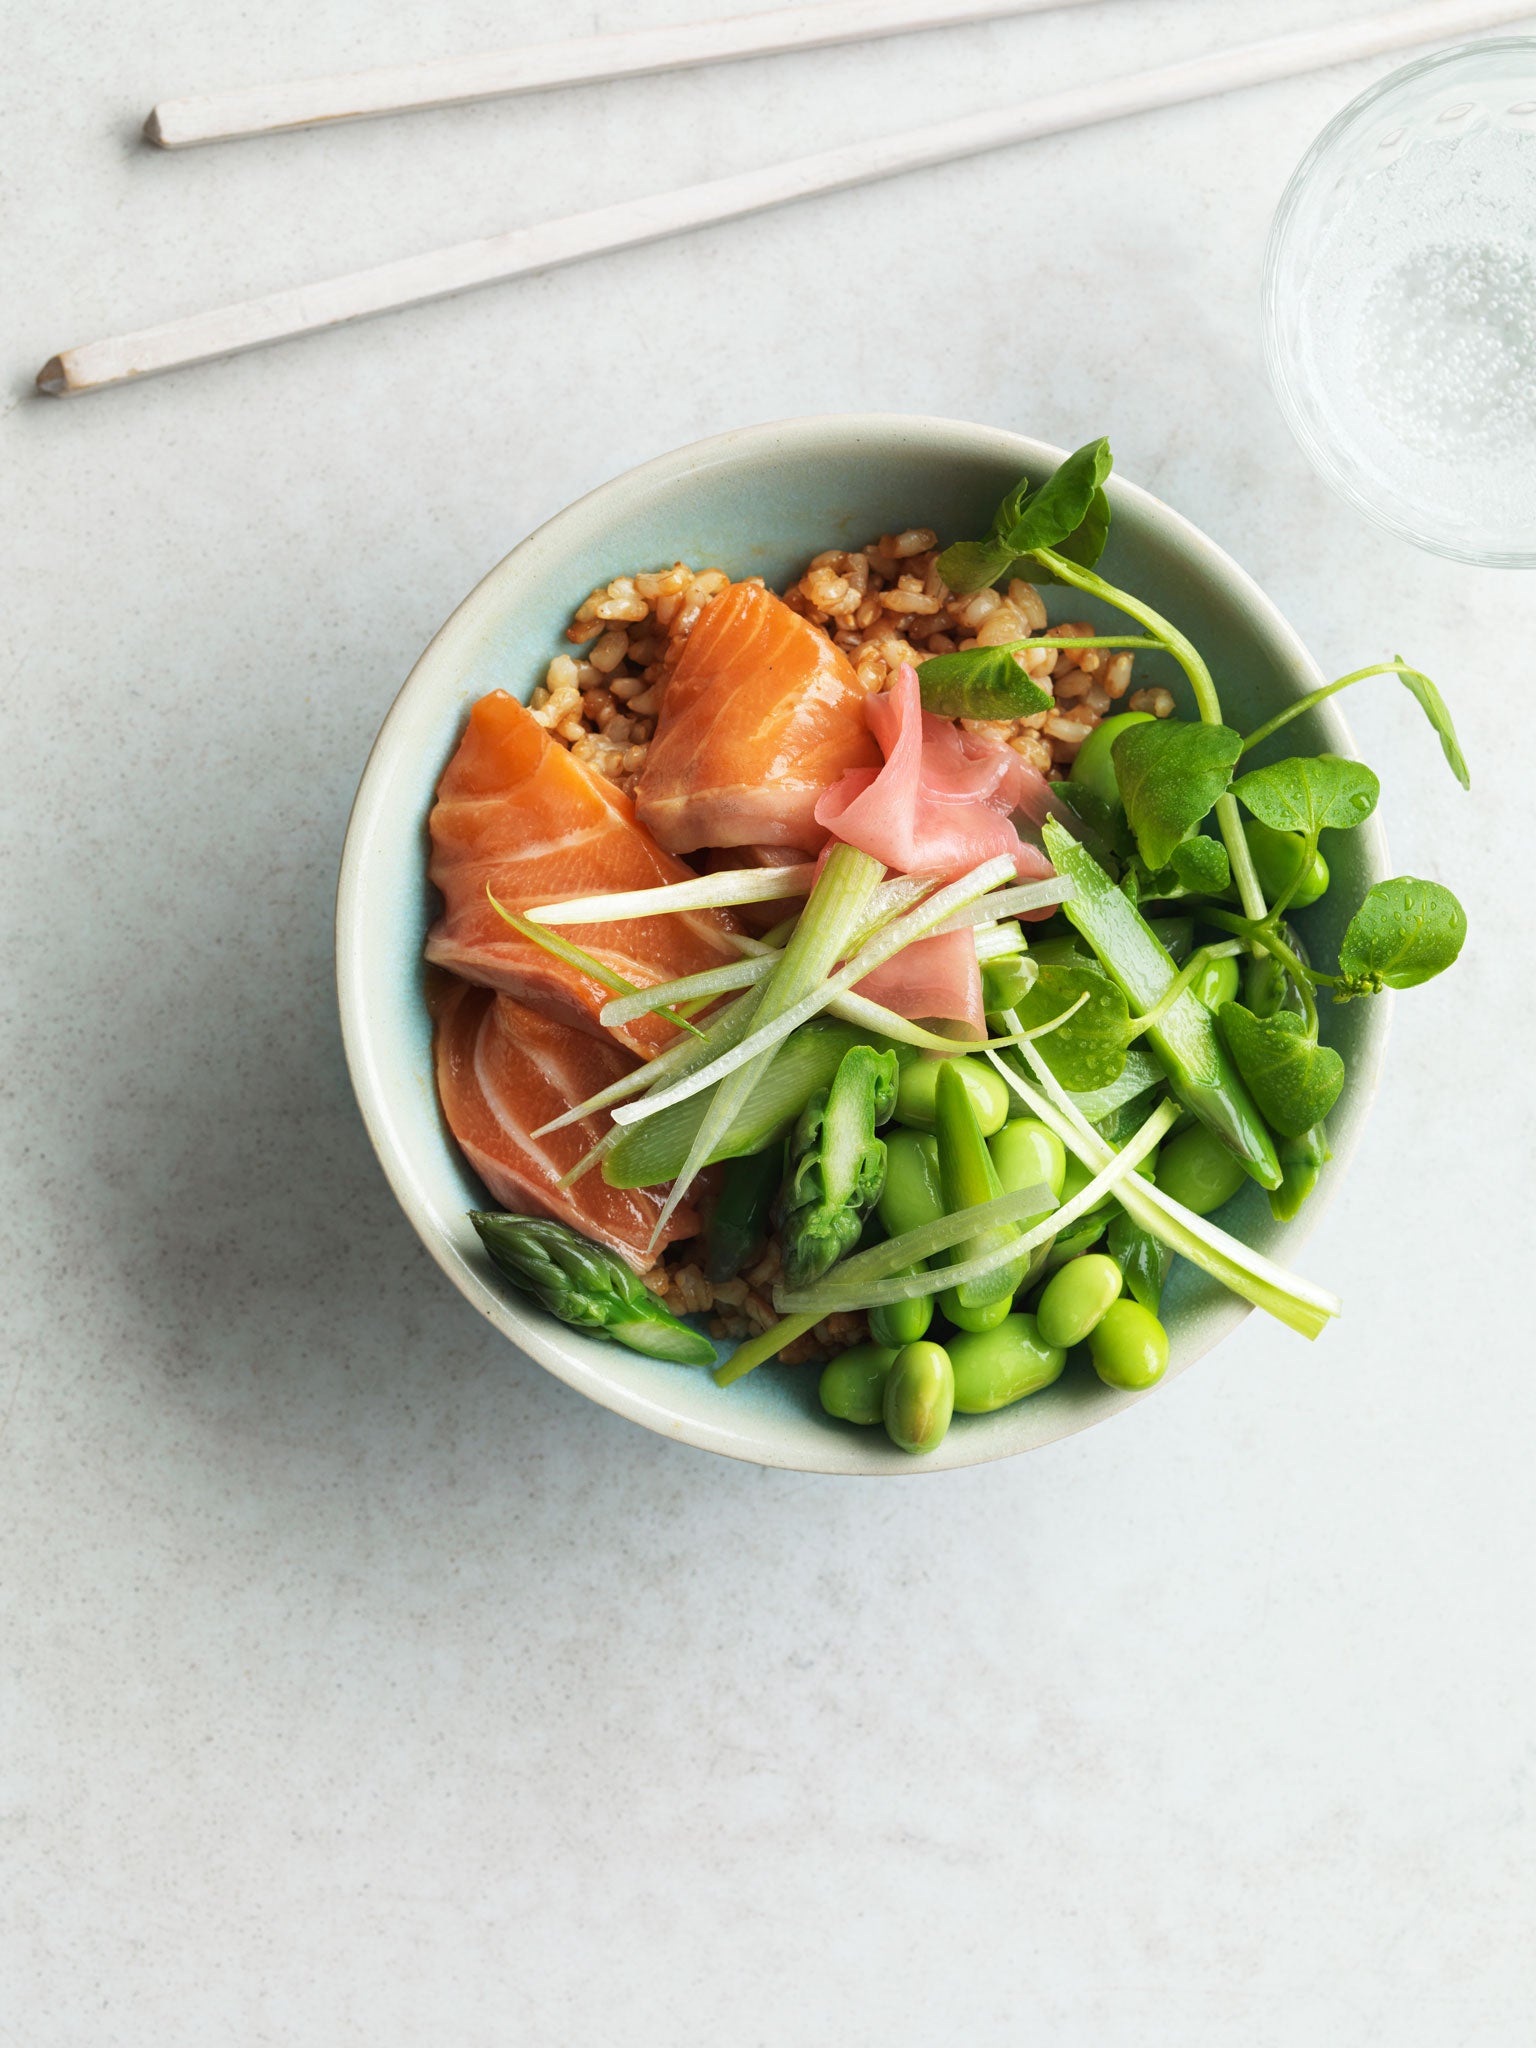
<point>361,1684</point>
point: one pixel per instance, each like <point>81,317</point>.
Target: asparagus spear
<point>587,1286</point>
<point>836,1165</point>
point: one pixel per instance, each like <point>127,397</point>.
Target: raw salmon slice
<point>502,1071</point>
<point>516,812</point>
<point>761,716</point>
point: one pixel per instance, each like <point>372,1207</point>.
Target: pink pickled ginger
<point>933,977</point>
<point>944,801</point>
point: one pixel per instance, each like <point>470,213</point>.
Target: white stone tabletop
<point>360,1683</point>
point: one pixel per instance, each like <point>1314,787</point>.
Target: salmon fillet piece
<point>517,813</point>
<point>762,714</point>
<point>502,1071</point>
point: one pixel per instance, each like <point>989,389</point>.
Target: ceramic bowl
<point>761,501</point>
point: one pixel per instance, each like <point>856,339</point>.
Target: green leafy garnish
<point>1434,707</point>
<point>980,682</point>
<point>1310,795</point>
<point>1088,1050</point>
<point>1068,513</point>
<point>1414,681</point>
<point>1170,774</point>
<point>1404,933</point>
<point>1198,866</point>
<point>1294,1080</point>
<point>1086,542</point>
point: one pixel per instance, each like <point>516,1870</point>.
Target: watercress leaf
<point>1069,512</point>
<point>1170,773</point>
<point>1201,865</point>
<point>1088,1051</point>
<point>1294,1080</point>
<point>1142,1258</point>
<point>1405,932</point>
<point>1307,794</point>
<point>1198,866</point>
<point>1434,708</point>
<point>973,564</point>
<point>980,682</point>
<point>1083,545</point>
<point>1067,502</point>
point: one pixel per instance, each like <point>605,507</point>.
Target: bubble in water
<point>1446,348</point>
<point>1419,321</point>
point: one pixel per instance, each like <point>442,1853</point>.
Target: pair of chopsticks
<point>443,272</point>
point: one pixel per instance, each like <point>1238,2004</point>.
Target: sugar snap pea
<point>1186,1040</point>
<point>912,1194</point>
<point>969,1178</point>
<point>1301,1162</point>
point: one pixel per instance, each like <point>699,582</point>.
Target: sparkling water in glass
<point>1400,302</point>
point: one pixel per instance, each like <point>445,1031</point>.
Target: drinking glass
<point>1400,302</point>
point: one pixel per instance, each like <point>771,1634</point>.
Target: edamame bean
<point>964,1317</point>
<point>1001,1366</point>
<point>1198,1170</point>
<point>902,1322</point>
<point>1276,859</point>
<point>1094,766</point>
<point>1027,1152</point>
<point>1076,1297</point>
<point>919,1397</point>
<point>1216,983</point>
<point>1129,1348</point>
<point>912,1194</point>
<point>920,1078</point>
<point>853,1383</point>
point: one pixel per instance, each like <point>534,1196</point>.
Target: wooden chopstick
<point>582,60</point>
<point>312,308</point>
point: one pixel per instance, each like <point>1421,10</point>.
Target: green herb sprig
<point>1173,777</point>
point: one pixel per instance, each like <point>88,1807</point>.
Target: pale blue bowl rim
<point>808,1442</point>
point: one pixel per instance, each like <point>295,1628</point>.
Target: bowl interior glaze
<point>761,501</point>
